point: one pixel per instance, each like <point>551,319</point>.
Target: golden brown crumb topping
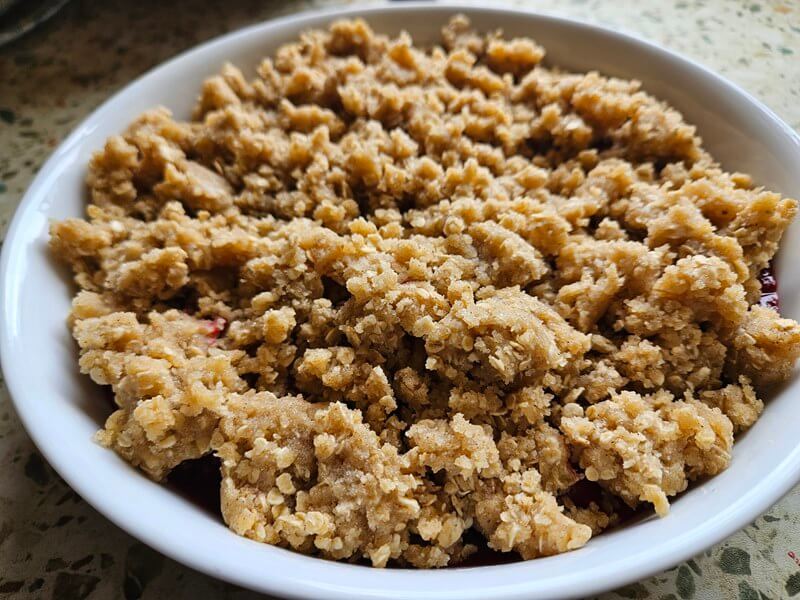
<point>415,296</point>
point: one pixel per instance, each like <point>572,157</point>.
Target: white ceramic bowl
<point>61,409</point>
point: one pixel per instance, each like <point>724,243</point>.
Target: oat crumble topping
<point>413,295</point>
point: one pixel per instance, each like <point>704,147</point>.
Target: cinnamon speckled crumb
<point>407,294</point>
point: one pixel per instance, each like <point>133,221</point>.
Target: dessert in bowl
<point>415,296</point>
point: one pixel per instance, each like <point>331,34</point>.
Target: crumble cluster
<point>412,296</point>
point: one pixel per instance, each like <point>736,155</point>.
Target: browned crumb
<point>409,296</point>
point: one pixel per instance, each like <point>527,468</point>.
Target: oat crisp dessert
<point>418,300</point>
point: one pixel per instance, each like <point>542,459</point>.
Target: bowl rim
<point>667,553</point>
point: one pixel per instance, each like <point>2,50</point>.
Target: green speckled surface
<point>52,544</point>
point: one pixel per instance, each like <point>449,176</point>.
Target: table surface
<point>52,544</point>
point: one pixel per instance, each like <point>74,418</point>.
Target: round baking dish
<point>61,409</point>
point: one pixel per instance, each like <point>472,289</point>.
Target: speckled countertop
<point>52,544</point>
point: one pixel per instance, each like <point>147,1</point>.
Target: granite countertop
<point>52,544</point>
